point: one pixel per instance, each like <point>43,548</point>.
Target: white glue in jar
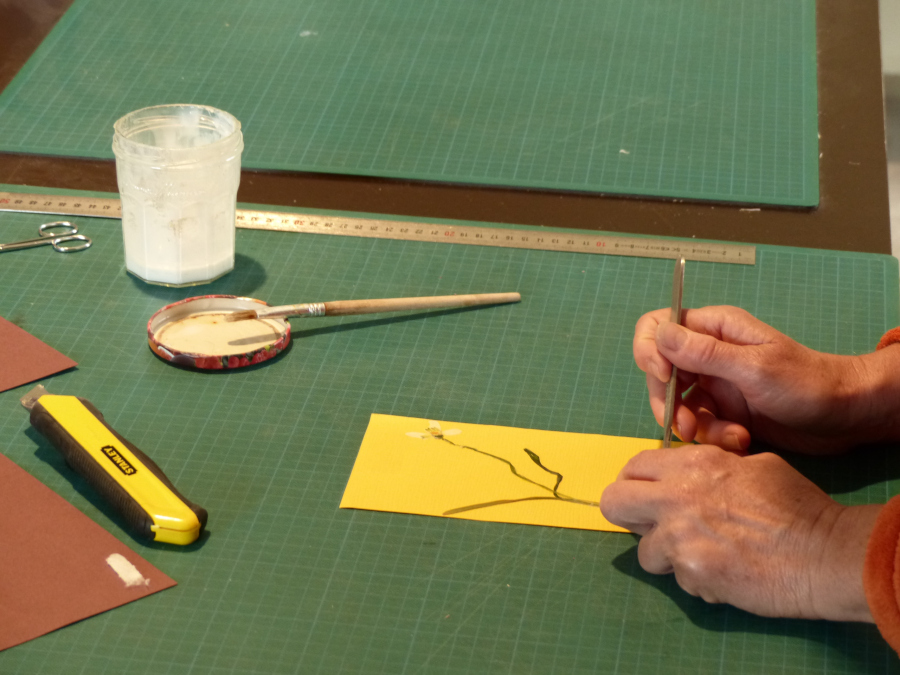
<point>178,168</point>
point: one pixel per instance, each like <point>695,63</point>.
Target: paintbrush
<point>672,386</point>
<point>347,307</point>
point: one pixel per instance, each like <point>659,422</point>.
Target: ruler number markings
<point>742,254</point>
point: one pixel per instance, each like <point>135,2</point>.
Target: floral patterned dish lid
<point>194,333</point>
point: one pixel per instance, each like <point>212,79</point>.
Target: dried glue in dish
<point>209,333</point>
<point>194,333</point>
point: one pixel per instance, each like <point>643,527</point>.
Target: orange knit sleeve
<point>889,338</point>
<point>881,574</point>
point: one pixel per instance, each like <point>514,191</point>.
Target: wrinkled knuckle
<point>681,538</point>
<point>691,566</point>
<point>647,323</point>
<point>644,318</point>
<point>687,577</point>
<point>769,460</point>
<point>636,464</point>
<point>694,574</point>
<point>707,453</point>
<point>703,458</point>
<point>652,557</point>
<point>704,348</point>
<point>738,312</point>
<point>735,315</point>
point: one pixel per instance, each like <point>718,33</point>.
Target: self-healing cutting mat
<point>287,582</point>
<point>712,100</point>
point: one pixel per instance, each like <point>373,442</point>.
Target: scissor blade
<point>28,243</point>
<point>674,316</point>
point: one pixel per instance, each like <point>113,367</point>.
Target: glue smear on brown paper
<point>58,566</point>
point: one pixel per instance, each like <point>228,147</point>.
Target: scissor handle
<point>57,239</point>
<point>64,227</point>
<point>57,242</point>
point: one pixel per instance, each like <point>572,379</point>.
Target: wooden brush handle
<point>347,307</point>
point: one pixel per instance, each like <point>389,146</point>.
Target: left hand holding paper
<point>748,531</point>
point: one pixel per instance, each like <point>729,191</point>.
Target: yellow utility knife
<point>129,480</point>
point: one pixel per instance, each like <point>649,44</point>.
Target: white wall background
<point>890,36</point>
<point>890,65</point>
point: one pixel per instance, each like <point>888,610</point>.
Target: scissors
<point>57,234</point>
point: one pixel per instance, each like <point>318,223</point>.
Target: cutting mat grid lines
<point>697,99</point>
<point>287,582</point>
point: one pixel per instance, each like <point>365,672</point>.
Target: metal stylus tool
<point>675,316</point>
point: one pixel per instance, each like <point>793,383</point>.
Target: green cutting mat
<point>701,99</point>
<point>288,583</point>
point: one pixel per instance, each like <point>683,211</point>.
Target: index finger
<point>646,354</point>
<point>630,504</point>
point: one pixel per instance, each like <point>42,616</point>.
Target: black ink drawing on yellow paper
<point>434,431</point>
<point>499,474</point>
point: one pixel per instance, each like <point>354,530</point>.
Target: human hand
<point>743,378</point>
<point>748,531</point>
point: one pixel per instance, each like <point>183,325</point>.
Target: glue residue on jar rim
<point>194,333</point>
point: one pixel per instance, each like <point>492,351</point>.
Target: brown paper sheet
<point>25,358</point>
<point>53,562</point>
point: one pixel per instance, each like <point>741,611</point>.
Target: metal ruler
<point>548,239</point>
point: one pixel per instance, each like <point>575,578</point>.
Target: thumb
<point>698,353</point>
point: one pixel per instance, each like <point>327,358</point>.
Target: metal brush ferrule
<point>315,309</point>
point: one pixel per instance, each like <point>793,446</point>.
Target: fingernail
<point>671,336</point>
<point>732,443</point>
<point>653,367</point>
<point>677,431</point>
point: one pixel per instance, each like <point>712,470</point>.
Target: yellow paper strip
<point>490,473</point>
